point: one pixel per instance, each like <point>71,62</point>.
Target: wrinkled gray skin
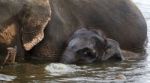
<point>88,46</point>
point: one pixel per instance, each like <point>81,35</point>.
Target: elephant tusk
<point>11,55</point>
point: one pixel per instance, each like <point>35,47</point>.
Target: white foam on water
<point>145,2</point>
<point>4,77</point>
<point>57,69</point>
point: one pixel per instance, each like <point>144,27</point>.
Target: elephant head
<point>22,23</point>
<point>88,46</point>
<point>30,16</point>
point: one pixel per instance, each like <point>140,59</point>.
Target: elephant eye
<point>86,52</point>
<point>108,46</point>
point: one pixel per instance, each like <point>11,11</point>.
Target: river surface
<point>130,71</point>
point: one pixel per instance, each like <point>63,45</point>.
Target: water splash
<point>4,77</point>
<point>58,69</point>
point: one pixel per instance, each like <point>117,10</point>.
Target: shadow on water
<point>130,71</point>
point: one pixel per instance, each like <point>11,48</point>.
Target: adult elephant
<point>119,20</point>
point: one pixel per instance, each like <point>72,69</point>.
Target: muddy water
<point>129,71</point>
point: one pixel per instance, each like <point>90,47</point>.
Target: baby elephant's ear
<point>35,17</point>
<point>112,51</point>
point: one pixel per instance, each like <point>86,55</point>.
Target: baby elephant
<point>88,46</point>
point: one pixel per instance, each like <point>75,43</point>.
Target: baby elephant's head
<point>87,46</point>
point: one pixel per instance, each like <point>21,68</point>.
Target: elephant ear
<point>35,16</point>
<point>112,51</point>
